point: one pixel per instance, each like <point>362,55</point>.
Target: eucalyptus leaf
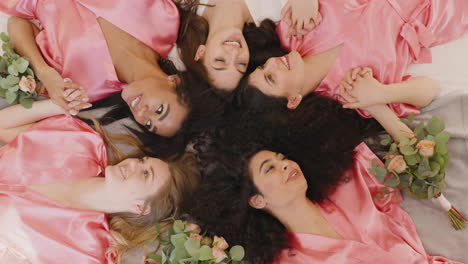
<point>435,126</point>
<point>419,131</point>
<point>408,150</point>
<point>413,141</point>
<point>386,141</point>
<point>205,253</point>
<point>2,93</point>
<point>432,191</point>
<point>412,160</point>
<point>393,181</point>
<point>193,247</point>
<point>375,163</point>
<point>379,173</point>
<point>26,102</point>
<point>435,168</point>
<point>384,190</point>
<point>393,147</point>
<point>404,141</point>
<point>177,254</point>
<point>3,65</point>
<point>4,37</point>
<point>443,137</point>
<point>179,226</point>
<point>405,180</point>
<point>30,72</point>
<point>12,80</point>
<point>21,65</point>
<point>13,70</point>
<point>14,88</point>
<point>441,149</point>
<point>156,258</point>
<point>11,96</point>
<point>237,253</point>
<point>178,240</point>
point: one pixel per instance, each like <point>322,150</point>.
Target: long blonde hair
<point>131,230</point>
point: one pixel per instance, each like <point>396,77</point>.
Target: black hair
<point>319,135</point>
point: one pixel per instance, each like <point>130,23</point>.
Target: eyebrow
<point>161,118</point>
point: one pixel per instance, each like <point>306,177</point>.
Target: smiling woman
<point>59,167</point>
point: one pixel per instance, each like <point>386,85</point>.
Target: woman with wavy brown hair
<point>57,188</point>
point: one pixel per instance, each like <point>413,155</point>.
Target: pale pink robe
<point>386,35</point>
<point>373,230</point>
<point>72,42</point>
<point>33,228</point>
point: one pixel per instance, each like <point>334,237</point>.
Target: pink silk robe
<point>33,228</point>
<point>71,40</point>
<point>373,230</point>
<point>385,35</point>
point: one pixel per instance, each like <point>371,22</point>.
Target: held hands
<point>301,16</point>
<point>63,92</point>
<point>360,89</point>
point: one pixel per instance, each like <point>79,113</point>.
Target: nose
<point>285,165</point>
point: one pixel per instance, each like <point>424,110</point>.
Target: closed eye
<point>270,169</point>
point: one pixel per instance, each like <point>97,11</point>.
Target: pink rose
<point>220,242</point>
<point>219,254</point>
<point>397,164</point>
<point>192,228</point>
<point>206,241</point>
<point>196,236</point>
<point>27,84</point>
<point>426,148</point>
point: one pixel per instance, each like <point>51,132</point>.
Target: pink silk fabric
<point>71,40</point>
<point>373,230</point>
<point>37,229</point>
<point>385,35</point>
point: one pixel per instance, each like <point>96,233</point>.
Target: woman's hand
<point>360,89</point>
<point>301,16</point>
<point>63,92</point>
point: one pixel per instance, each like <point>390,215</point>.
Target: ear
<point>174,78</point>
<point>140,208</point>
<point>257,201</point>
<point>294,101</point>
<point>200,53</point>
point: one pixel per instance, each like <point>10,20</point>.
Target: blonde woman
<point>57,189</point>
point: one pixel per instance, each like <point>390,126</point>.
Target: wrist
<point>390,93</point>
<point>41,70</point>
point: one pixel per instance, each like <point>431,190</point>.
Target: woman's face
<point>135,181</point>
<point>155,105</point>
<point>279,180</point>
<point>281,77</point>
<point>225,57</point>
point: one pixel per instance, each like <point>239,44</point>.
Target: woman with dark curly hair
<point>318,205</point>
<point>107,47</point>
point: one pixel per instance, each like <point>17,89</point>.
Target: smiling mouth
<point>292,175</point>
<point>233,42</point>
<point>285,61</point>
<point>134,103</point>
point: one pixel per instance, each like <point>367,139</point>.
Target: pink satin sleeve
<point>44,232</point>
<point>20,8</point>
<point>54,149</point>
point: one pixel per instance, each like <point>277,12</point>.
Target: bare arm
<point>365,90</point>
<point>16,118</point>
<point>390,122</point>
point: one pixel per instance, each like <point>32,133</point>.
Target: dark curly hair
<point>319,135</point>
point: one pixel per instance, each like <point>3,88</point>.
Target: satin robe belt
<point>417,35</point>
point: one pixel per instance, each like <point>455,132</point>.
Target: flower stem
<point>458,220</point>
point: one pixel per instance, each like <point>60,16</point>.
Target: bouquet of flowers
<point>17,80</point>
<point>417,165</point>
<point>184,244</point>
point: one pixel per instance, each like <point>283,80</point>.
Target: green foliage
<point>12,68</point>
<point>424,177</point>
<point>183,248</point>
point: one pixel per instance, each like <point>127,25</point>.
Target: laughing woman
<point>384,36</point>
<point>57,190</point>
<point>221,54</point>
<point>107,47</point>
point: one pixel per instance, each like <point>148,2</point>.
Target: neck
<point>226,14</point>
<point>317,67</point>
<point>300,216</point>
<point>84,194</point>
